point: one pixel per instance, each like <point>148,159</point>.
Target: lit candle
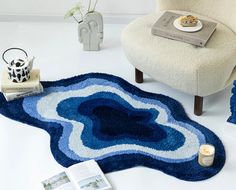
<point>206,155</point>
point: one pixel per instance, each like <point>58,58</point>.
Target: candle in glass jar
<point>206,155</point>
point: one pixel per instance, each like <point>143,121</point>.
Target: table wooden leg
<point>198,105</point>
<point>138,76</point>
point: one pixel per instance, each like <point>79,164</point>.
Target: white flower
<point>74,10</point>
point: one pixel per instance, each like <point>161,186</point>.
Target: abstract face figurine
<point>91,31</point>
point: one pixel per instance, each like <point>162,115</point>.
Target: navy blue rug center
<point>111,119</point>
<point>103,117</point>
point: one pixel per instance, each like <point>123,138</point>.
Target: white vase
<point>90,31</point>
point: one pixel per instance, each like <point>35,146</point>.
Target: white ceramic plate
<point>178,26</point>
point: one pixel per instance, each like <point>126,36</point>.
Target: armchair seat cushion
<point>191,69</point>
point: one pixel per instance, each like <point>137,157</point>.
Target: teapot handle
<point>3,55</point>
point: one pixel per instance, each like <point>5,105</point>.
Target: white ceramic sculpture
<point>90,31</point>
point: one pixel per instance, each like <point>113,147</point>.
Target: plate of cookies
<point>188,23</point>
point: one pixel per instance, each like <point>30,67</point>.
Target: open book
<point>82,176</point>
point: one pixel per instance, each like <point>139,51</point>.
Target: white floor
<point>25,157</point>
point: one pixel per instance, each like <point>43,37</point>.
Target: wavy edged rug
<point>103,117</point>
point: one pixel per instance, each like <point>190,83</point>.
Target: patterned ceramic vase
<point>18,69</point>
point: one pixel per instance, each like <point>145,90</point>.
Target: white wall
<point>59,7</point>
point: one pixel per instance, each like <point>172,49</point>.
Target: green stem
<point>95,5</point>
<point>89,7</point>
<point>81,14</point>
<point>76,19</point>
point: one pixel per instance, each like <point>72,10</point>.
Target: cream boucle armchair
<point>193,70</point>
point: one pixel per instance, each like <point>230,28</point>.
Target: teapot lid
<point>16,63</point>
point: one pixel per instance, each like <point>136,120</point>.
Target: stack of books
<point>12,90</point>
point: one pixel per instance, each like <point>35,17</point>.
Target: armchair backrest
<point>223,11</point>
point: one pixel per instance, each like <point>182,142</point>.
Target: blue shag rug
<point>103,117</point>
<point>232,118</point>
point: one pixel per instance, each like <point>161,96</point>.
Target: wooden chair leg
<point>138,76</point>
<point>198,105</point>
